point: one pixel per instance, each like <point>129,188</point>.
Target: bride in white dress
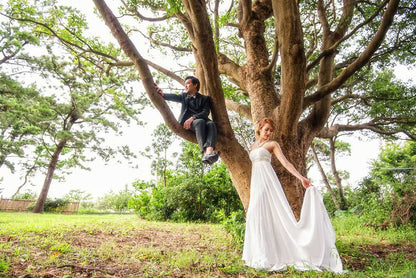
<point>274,239</point>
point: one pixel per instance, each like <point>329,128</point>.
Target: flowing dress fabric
<point>274,239</point>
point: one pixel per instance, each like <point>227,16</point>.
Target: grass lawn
<point>54,245</point>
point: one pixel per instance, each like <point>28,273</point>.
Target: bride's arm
<point>289,166</point>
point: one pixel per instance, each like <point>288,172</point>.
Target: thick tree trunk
<point>293,72</point>
<point>49,176</point>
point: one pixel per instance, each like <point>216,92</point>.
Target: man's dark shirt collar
<point>191,96</point>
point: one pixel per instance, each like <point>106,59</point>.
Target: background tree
<point>95,104</point>
<point>81,100</point>
<point>118,202</point>
<point>162,139</point>
<point>316,49</point>
<point>76,195</point>
<point>323,152</point>
<point>387,196</point>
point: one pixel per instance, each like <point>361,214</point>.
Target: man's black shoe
<point>205,160</point>
<point>211,158</point>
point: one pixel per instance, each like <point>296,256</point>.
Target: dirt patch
<point>150,252</point>
<point>133,253</point>
<point>365,255</point>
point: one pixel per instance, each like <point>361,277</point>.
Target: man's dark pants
<point>206,133</point>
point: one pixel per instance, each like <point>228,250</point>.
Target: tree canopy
<point>291,61</point>
<point>297,62</point>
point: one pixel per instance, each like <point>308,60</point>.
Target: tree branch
<point>275,55</point>
<point>141,64</point>
<point>217,28</point>
<point>157,67</point>
<point>333,48</point>
<point>231,69</point>
<point>244,12</point>
<point>165,71</point>
<point>322,18</point>
<point>364,57</point>
<point>176,48</point>
<point>241,109</point>
<point>139,15</point>
<point>372,125</point>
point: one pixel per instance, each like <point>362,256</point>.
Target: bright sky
<point>102,178</point>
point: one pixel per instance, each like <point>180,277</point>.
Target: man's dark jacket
<point>203,103</point>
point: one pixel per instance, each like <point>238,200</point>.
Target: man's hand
<point>188,122</point>
<point>158,90</point>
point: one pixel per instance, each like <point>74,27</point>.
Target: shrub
<point>188,197</point>
<point>55,205</point>
<point>52,205</point>
<point>235,225</point>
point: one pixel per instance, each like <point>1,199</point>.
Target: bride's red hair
<point>263,122</point>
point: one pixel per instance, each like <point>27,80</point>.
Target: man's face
<point>189,87</point>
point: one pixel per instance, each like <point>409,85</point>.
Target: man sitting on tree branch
<point>194,116</point>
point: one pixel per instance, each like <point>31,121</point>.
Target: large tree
<point>90,105</point>
<point>71,102</point>
<point>288,60</point>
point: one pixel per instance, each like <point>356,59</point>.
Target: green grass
<point>54,245</point>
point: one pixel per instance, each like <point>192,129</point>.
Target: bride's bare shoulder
<point>271,144</point>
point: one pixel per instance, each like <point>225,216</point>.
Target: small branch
<point>362,60</point>
<point>231,69</point>
<point>241,109</point>
<point>244,12</point>
<point>139,15</point>
<point>313,40</point>
<point>372,125</point>
<point>66,42</point>
<point>165,71</point>
<point>275,55</point>
<point>8,57</point>
<point>324,177</point>
<point>366,99</point>
<point>175,48</point>
<point>333,48</point>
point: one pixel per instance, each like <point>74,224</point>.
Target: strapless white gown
<point>274,239</point>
